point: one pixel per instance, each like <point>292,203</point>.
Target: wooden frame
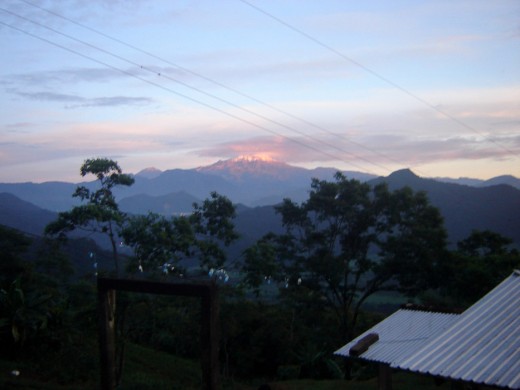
<point>208,293</point>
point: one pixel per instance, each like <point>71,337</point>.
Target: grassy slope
<point>149,369</point>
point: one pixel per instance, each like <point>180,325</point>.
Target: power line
<point>317,140</point>
<point>187,70</point>
<point>178,94</point>
<point>375,74</point>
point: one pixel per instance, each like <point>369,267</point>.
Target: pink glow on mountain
<point>250,165</point>
<point>266,157</point>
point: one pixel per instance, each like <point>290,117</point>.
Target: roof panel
<point>401,335</point>
<point>483,346</point>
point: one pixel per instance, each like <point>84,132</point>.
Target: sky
<point>371,86</point>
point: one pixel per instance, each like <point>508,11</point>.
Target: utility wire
<point>178,93</point>
<point>317,140</point>
<point>187,70</point>
<point>376,74</point>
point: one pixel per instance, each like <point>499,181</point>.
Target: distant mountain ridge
<point>149,173</point>
<point>251,180</point>
<point>255,192</point>
<point>257,184</point>
<point>248,180</point>
<point>503,179</point>
<point>466,208</point>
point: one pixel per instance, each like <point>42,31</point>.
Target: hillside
<point>24,216</point>
<point>169,204</point>
<point>466,208</point>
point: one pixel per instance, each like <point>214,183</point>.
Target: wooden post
<point>208,292</point>
<point>210,339</point>
<point>384,380</point>
<point>106,311</point>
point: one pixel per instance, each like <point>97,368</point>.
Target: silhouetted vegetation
<point>293,299</point>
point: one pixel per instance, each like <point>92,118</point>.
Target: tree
<point>100,213</point>
<point>213,227</point>
<point>161,242</point>
<point>158,242</point>
<point>13,244</point>
<point>481,261</point>
<point>350,240</point>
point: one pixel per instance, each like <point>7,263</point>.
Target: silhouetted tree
<point>100,212</point>
<point>348,241</point>
<point>160,241</point>
<point>481,261</point>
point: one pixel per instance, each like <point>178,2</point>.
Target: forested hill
<point>24,216</point>
<point>466,208</point>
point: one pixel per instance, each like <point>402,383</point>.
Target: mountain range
<point>256,185</point>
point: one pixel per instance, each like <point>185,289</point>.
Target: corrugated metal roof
<point>401,335</point>
<point>483,346</point>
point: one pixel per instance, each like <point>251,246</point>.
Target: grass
<point>149,369</point>
<point>144,369</point>
<point>400,380</point>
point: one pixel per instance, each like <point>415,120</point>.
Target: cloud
<point>380,151</point>
<point>78,10</point>
<point>76,101</point>
<point>67,76</point>
<point>113,101</point>
<point>50,96</point>
<point>19,127</point>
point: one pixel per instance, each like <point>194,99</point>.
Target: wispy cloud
<point>113,101</point>
<point>76,101</point>
<point>19,127</point>
<point>65,76</point>
<point>385,150</point>
<point>50,96</point>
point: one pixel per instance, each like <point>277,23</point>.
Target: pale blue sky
<point>69,93</point>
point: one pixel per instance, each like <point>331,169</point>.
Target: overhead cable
<point>184,96</point>
<point>376,74</point>
<point>215,82</point>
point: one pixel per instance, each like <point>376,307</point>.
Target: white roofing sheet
<point>483,346</point>
<point>401,335</point>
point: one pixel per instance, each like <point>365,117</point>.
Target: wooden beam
<point>106,325</point>
<point>208,293</point>
<point>384,379</point>
<point>210,340</point>
<point>145,286</point>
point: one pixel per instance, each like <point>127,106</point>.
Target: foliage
<point>12,245</point>
<point>213,227</point>
<point>53,263</point>
<point>255,340</point>
<point>158,241</point>
<point>259,263</point>
<point>22,317</point>
<point>481,262</point>
<point>170,324</point>
<point>348,241</point>
<point>100,212</point>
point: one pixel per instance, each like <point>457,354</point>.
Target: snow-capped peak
<point>253,158</point>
